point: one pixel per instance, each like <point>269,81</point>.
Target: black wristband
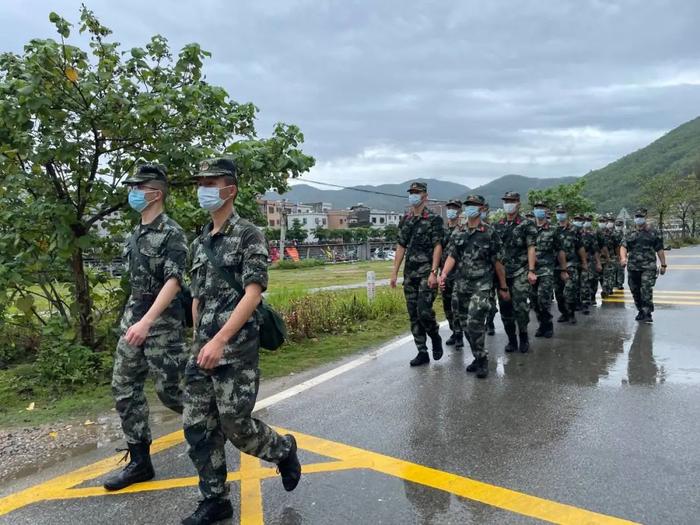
<point>664,266</point>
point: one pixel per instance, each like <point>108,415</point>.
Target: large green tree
<point>74,122</point>
<point>571,195</point>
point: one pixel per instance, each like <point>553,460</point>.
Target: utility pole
<point>283,228</point>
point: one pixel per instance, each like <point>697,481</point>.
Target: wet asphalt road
<point>605,416</point>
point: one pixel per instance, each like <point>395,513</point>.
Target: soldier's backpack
<point>273,331</point>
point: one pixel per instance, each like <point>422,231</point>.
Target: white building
<point>308,218</point>
<point>382,218</point>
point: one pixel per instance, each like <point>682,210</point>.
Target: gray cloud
<point>465,91</point>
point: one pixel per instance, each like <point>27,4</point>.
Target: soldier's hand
<point>662,270</point>
<point>623,262</point>
<point>432,281</point>
<point>564,276</point>
<point>137,333</point>
<point>441,282</point>
<point>598,268</point>
<point>210,355</point>
<point>505,295</point>
<point>392,281</point>
<point>532,278</point>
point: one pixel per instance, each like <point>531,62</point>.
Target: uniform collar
<point>228,226</point>
<point>156,224</point>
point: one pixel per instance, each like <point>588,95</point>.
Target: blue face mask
<point>639,221</point>
<point>472,211</point>
<point>209,198</point>
<point>451,214</point>
<point>578,224</point>
<point>539,213</point>
<point>587,224</point>
<point>414,199</point>
<point>561,217</point>
<point>510,207</point>
<point>137,200</point>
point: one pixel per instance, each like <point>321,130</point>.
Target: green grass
<point>327,275</point>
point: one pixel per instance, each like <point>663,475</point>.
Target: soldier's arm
<point>437,238</point>
<point>163,300</point>
<point>584,257</point>
<point>623,256</point>
<point>437,255</point>
<point>659,248</point>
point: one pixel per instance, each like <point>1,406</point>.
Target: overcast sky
<point>466,91</point>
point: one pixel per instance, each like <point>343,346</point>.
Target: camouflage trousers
<point>586,286</point>
<point>619,276</point>
<point>218,407</point>
<point>567,292</point>
<point>609,278</point>
<point>641,285</point>
<point>516,311</point>
<point>164,356</point>
<point>543,291</point>
<point>449,306</point>
<point>493,310</point>
<point>474,306</point>
<point>419,302</point>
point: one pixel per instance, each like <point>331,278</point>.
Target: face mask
<point>618,227</point>
<point>610,225</point>
<point>209,198</point>
<point>510,207</point>
<point>414,199</point>
<point>137,200</point>
<point>587,224</point>
<point>484,215</point>
<point>451,214</point>
<point>472,211</point>
<point>539,213</point>
<point>639,221</point>
<point>561,217</point>
<point>578,224</point>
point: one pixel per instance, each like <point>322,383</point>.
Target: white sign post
<point>371,286</point>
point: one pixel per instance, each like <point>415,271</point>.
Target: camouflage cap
<point>454,203</point>
<point>147,172</point>
<point>588,217</point>
<point>529,215</point>
<point>475,199</point>
<point>418,186</point>
<point>540,204</point>
<point>511,196</point>
<point>641,212</point>
<point>619,221</point>
<point>217,167</point>
<point>560,207</point>
<point>486,204</point>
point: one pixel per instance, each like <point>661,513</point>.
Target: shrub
<point>303,263</point>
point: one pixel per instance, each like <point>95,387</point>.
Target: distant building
<point>359,216</point>
<point>308,218</point>
<point>362,216</point>
<point>273,211</point>
<point>338,219</point>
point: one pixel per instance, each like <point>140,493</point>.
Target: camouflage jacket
<point>163,246</point>
<point>608,239</point>
<point>419,235</point>
<point>476,252</point>
<point>570,240</point>
<point>642,245</point>
<point>449,230</point>
<point>547,249</point>
<point>517,236</point>
<point>589,240</point>
<point>240,250</point>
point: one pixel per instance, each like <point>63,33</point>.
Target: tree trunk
<point>83,299</point>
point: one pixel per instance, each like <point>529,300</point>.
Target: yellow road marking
<point>347,457</point>
<point>656,301</point>
<point>659,291</point>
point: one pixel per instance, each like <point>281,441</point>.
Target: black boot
<point>540,330</point>
<point>289,467</point>
<point>563,318</point>
<point>640,316</point>
<point>512,345</point>
<point>647,318</point>
<point>473,366</point>
<point>490,328</point>
<point>421,359</point>
<point>139,467</point>
<point>483,368</point>
<point>451,340</point>
<point>572,318</point>
<point>437,346</point>
<point>548,330</point>
<point>210,511</point>
<point>524,343</point>
<point>459,341</point>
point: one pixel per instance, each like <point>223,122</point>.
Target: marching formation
<point>523,262</point>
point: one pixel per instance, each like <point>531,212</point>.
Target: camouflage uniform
<point>642,245</point>
<point>449,299</point>
<point>619,271</point>
<point>517,236</point>
<point>547,248</point>
<point>609,239</point>
<point>475,252</point>
<point>419,235</point>
<point>164,354</point>
<point>567,293</point>
<point>219,402</point>
<point>588,277</point>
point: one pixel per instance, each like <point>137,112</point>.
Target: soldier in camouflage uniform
<point>490,326</point>
<point>152,325</point>
<point>639,250</point>
<point>420,240</point>
<point>620,272</point>
<point>519,237</point>
<point>610,250</point>
<point>449,299</point>
<point>567,290</point>
<point>222,374</point>
<point>550,257</point>
<point>589,277</point>
<point>475,253</point>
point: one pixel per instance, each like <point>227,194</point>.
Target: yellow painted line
<point>251,492</point>
<point>500,497</point>
<point>656,301</point>
<point>656,290</point>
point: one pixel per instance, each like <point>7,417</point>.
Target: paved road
<point>597,425</point>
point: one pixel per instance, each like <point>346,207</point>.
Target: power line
<point>362,190</point>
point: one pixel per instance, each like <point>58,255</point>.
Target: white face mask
<point>451,214</point>
<point>639,221</point>
<point>414,199</point>
<point>610,225</point>
<point>587,224</point>
<point>510,207</point>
